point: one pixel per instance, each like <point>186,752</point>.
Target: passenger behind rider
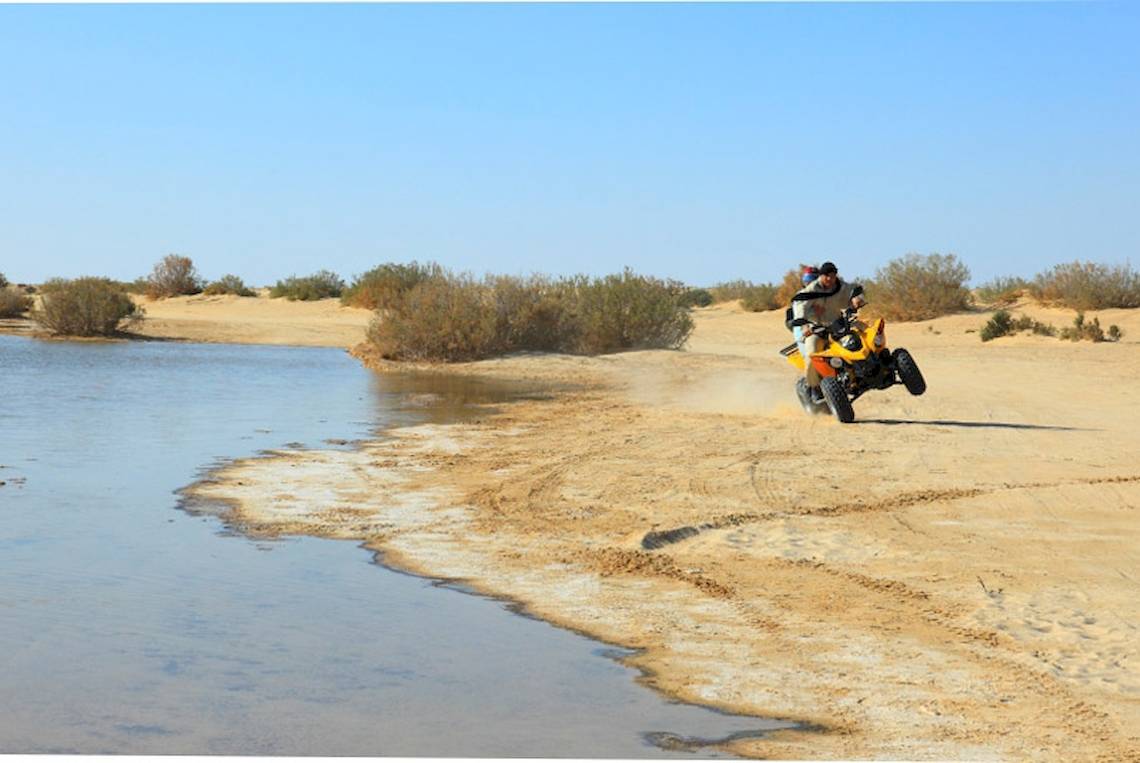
<point>820,302</point>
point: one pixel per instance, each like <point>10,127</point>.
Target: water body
<point>129,626</point>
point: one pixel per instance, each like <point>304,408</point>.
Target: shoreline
<point>952,577</point>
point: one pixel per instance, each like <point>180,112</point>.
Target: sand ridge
<point>952,577</point>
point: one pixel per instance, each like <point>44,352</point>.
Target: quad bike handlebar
<point>838,327</point>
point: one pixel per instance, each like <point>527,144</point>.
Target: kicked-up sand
<point>953,576</point>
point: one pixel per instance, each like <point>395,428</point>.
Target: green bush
<point>13,303</point>
<point>1000,324</point>
<point>1089,286</point>
<point>377,288</point>
<point>84,307</point>
<point>229,284</point>
<point>3,281</point>
<point>1090,330</point>
<point>918,287</point>
<point>695,298</point>
<point>1003,290</point>
<point>449,317</point>
<point>320,285</point>
<point>173,276</point>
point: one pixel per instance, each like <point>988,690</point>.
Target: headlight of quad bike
<point>836,363</point>
<point>852,343</point>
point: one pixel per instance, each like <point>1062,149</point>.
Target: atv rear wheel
<point>804,396</point>
<point>836,398</point>
<point>909,373</point>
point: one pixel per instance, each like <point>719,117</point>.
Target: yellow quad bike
<point>854,360</point>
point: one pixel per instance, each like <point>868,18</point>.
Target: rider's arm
<point>799,313</point>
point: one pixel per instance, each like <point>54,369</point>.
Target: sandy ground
<point>953,576</point>
<point>253,320</point>
<point>239,320</point>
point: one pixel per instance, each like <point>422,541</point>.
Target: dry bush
<point>790,286</point>
<point>229,284</point>
<point>695,298</point>
<point>13,302</point>
<point>84,307</point>
<point>323,284</point>
<point>627,311</point>
<point>379,287</point>
<point>758,297</point>
<point>174,275</point>
<point>918,287</point>
<point>450,317</point>
<point>1089,286</point>
<point>3,281</point>
<point>761,297</point>
<point>1003,290</point>
<point>730,291</point>
<point>446,318</point>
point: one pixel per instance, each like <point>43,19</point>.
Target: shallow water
<point>128,626</point>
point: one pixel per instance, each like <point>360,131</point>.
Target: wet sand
<point>952,577</point>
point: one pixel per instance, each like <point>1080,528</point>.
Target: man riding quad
<point>820,302</point>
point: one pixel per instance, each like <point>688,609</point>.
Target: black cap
<point>828,267</point>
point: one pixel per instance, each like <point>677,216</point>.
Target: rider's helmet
<point>811,272</point>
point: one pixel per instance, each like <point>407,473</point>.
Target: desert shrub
<point>535,313</point>
<point>173,276</point>
<point>1000,324</point>
<point>729,291</point>
<point>13,302</point>
<point>761,297</point>
<point>377,288</point>
<point>627,311</point>
<point>758,297</point>
<point>229,284</point>
<point>1089,286</point>
<point>3,281</point>
<point>448,317</point>
<point>1003,290</point>
<point>918,287</point>
<point>445,318</point>
<point>792,283</point>
<point>695,298</point>
<point>320,285</point>
<point>84,307</point>
<point>1090,330</point>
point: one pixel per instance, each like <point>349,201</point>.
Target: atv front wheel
<point>909,373</point>
<point>836,398</point>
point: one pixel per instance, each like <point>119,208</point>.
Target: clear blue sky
<point>698,142</point>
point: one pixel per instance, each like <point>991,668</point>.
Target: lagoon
<point>128,625</point>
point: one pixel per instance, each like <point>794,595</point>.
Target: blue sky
<point>702,142</point>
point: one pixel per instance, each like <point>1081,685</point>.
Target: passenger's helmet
<point>811,272</point>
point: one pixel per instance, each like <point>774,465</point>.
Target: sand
<point>954,576</point>
<point>253,320</point>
